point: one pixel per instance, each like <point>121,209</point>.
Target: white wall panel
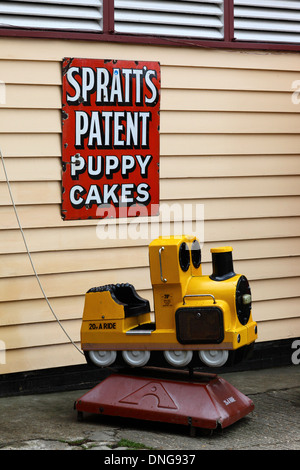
<point>266,21</point>
<point>201,19</point>
<point>229,141</point>
<point>52,14</point>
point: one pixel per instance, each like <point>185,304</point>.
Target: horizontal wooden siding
<point>230,140</point>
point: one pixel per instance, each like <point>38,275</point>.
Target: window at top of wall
<point>78,15</point>
<point>243,21</point>
<point>183,18</point>
<point>267,21</point>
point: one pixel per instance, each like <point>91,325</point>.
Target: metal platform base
<point>198,401</point>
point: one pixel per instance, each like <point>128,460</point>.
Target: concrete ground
<point>49,421</point>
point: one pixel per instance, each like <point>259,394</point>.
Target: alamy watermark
<point>2,352</point>
<point>296,354</point>
<point>296,92</point>
<point>172,220</point>
<point>2,93</point>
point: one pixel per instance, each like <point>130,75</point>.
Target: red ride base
<point>204,401</point>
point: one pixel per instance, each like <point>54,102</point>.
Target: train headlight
<point>246,299</point>
<point>243,300</point>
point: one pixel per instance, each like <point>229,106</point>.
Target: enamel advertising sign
<point>110,138</point>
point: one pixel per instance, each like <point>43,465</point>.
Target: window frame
<point>109,35</point>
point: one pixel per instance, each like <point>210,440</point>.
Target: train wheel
<point>102,358</point>
<point>214,357</point>
<point>178,358</point>
<point>136,358</point>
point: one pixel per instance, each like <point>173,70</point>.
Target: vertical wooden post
<point>228,20</point>
<point>108,16</point>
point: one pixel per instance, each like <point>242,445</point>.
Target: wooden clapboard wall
<point>230,139</point>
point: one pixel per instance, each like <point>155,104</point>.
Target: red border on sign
<point>110,138</point>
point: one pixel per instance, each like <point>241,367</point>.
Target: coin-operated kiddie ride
<point>197,320</point>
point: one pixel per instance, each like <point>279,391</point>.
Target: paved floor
<point>49,422</point>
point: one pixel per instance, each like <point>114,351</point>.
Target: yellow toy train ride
<point>197,318</point>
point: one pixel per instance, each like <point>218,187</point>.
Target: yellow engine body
<point>191,311</point>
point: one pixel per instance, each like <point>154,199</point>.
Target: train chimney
<point>222,263</point>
